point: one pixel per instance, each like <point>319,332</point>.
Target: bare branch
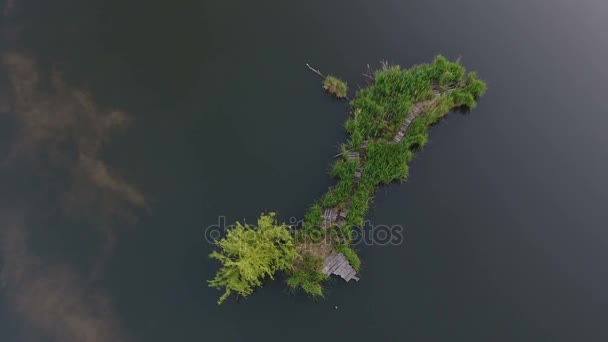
<point>314,70</point>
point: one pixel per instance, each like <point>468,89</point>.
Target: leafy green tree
<point>250,254</point>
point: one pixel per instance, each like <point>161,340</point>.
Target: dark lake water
<point>505,212</point>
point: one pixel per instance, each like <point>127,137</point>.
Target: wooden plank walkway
<point>338,265</point>
<point>416,111</point>
<point>329,217</point>
<point>353,155</point>
<point>358,174</point>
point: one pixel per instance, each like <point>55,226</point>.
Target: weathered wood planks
<point>329,217</point>
<point>353,155</point>
<point>338,265</point>
<point>416,111</point>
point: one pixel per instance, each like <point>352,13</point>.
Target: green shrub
<point>336,87</point>
<point>313,218</point>
<point>308,277</point>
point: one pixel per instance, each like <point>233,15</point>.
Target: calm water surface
<point>504,213</point>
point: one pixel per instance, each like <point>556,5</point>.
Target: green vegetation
<point>423,94</point>
<point>248,255</point>
<point>378,112</point>
<point>351,255</point>
<point>335,86</point>
<point>344,170</point>
<point>309,276</point>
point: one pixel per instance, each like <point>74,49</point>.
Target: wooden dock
<point>338,265</point>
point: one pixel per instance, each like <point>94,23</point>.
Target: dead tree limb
<point>369,74</point>
<point>385,65</point>
<point>314,70</point>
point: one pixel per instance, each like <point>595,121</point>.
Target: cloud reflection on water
<point>60,135</point>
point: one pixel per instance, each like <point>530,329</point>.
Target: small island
<point>388,122</point>
<point>335,87</point>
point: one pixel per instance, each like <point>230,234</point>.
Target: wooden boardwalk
<point>358,174</point>
<point>416,111</point>
<point>338,265</point>
<point>353,155</point>
<point>332,216</point>
<point>329,217</point>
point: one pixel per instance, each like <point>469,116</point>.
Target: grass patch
<point>336,87</point>
<point>308,276</point>
<point>350,255</point>
<point>377,113</point>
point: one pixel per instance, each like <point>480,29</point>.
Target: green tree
<point>250,254</point>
